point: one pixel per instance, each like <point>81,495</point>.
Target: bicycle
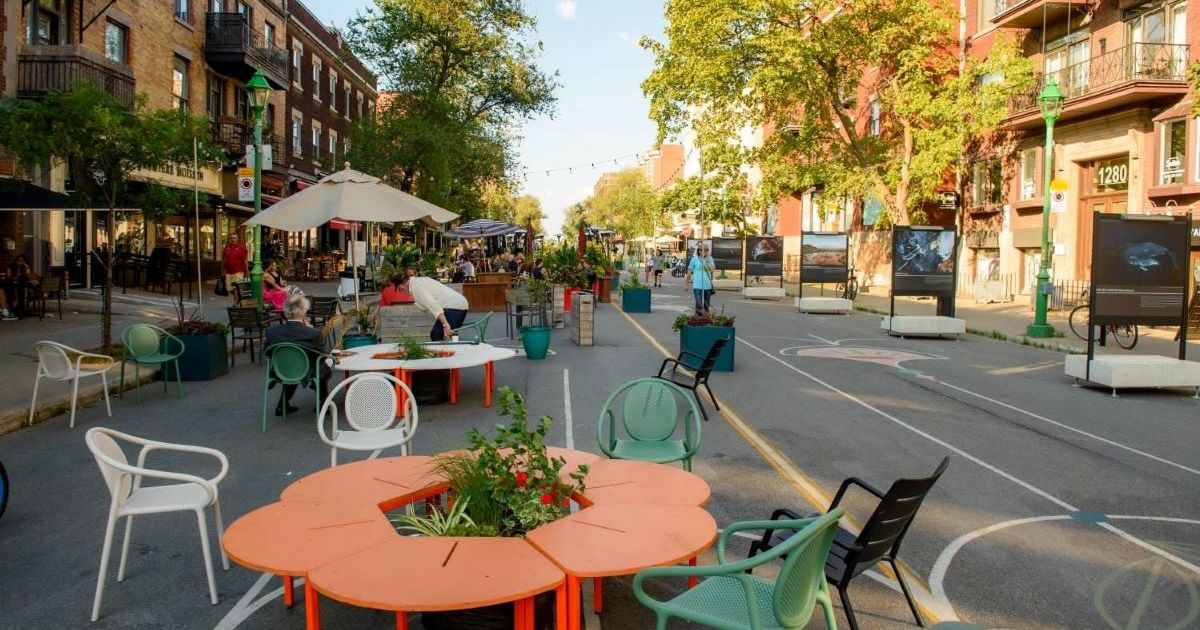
<point>848,289</point>
<point>1126,335</point>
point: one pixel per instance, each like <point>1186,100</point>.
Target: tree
<point>461,76</point>
<point>527,213</point>
<point>103,142</point>
<point>815,72</point>
<point>626,205</point>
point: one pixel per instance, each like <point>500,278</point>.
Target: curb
<point>16,418</point>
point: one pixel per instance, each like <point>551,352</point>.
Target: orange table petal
<point>386,482</point>
<point>289,538</point>
<point>619,481</point>
<point>428,574</point>
<point>612,539</point>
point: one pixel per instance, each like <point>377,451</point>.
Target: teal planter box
<point>536,340</point>
<point>635,300</point>
<point>204,357</point>
<point>616,283</point>
<point>619,265</point>
<point>356,341</point>
<point>698,339</point>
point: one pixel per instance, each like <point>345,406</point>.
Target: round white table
<point>466,355</point>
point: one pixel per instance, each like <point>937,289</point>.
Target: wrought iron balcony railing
<point>45,69</point>
<point>1134,63</point>
<point>231,39</point>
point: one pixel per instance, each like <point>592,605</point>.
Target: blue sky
<point>601,112</point>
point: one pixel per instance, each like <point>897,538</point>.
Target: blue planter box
<point>698,339</point>
<point>204,357</point>
<point>635,300</point>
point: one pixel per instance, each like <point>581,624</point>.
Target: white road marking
<point>245,606</point>
<point>567,421</point>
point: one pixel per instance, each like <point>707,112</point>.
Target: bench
<point>839,306</point>
<point>1122,372</point>
<point>923,325</point>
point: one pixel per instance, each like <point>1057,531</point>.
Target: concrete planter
<point>635,300</point>
<point>698,339</point>
<point>204,357</point>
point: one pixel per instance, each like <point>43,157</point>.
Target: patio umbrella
<point>482,228</point>
<point>352,196</point>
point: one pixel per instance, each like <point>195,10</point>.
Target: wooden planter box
<point>204,357</point>
<point>698,339</point>
<point>635,300</point>
<point>558,303</point>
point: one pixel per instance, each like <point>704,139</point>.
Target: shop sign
<point>1173,166</point>
<point>1196,236</point>
<point>177,175</point>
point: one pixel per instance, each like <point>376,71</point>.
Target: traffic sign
<point>245,187</point>
<point>1058,184</point>
<point>1058,201</point>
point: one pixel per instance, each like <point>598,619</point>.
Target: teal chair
<point>151,346</point>
<point>650,418</point>
<point>731,598</point>
<point>291,364</point>
<point>479,327</point>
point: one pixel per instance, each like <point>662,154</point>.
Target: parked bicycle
<point>849,288</point>
<point>1126,335</point>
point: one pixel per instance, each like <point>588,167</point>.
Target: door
<point>1109,203</point>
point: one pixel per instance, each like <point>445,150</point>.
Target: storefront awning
<point>23,196</point>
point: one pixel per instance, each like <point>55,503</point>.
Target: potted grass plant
<point>205,355</point>
<point>635,296</point>
<point>697,333</point>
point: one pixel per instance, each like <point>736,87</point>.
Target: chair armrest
<point>185,448</point>
<point>690,354</point>
<point>665,362</point>
<point>772,525</point>
<point>849,481</point>
<point>605,442</point>
<point>778,514</point>
<point>80,356</point>
<point>178,342</point>
<point>689,571</point>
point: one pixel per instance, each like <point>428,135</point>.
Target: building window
<point>1067,61</point>
<point>876,113</point>
<point>49,25</point>
<point>346,101</point>
<point>297,134</point>
<point>987,183</point>
<point>182,11</point>
<point>116,42</point>
<point>216,96</point>
<point>333,147</point>
<point>269,34</point>
<point>1159,34</point>
<point>1029,173</point>
<point>988,10</point>
<point>316,83</point>
<point>297,60</point>
<point>246,10</point>
<point>243,105</point>
<point>332,90</point>
<point>1174,146</point>
<point>216,6</point>
<point>316,141</point>
<point>179,84</point>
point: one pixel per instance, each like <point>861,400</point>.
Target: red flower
<point>521,479</point>
<point>547,499</point>
<point>566,502</point>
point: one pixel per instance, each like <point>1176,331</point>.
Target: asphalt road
<point>1062,507</point>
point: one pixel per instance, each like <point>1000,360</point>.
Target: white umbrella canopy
<point>666,240</point>
<point>349,195</point>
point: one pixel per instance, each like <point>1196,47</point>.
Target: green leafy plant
<point>437,523</point>
<point>562,266</point>
<point>539,290</point>
<point>398,257</point>
<point>193,323</point>
<point>634,282</point>
<point>509,482</point>
<point>363,318</point>
<point>413,348</point>
<point>703,319</point>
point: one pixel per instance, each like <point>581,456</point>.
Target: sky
<point>601,113</point>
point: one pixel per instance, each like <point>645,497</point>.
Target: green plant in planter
<point>507,484</point>
<point>703,319</point>
<point>400,256</point>
<point>562,266</point>
<point>452,523</point>
<point>193,323</point>
<point>539,290</point>
<point>633,283</point>
<point>413,348</point>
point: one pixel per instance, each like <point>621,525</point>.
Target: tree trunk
<point>406,181</point>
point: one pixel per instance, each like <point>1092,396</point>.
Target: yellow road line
<point>807,488</point>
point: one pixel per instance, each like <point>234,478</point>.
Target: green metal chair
<point>733,599</point>
<point>650,418</point>
<point>150,345</point>
<point>291,364</point>
<point>479,326</point>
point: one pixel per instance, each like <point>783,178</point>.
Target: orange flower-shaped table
<point>330,528</point>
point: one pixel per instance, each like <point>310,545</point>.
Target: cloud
<point>565,9</point>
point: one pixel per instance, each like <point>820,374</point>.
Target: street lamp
<point>258,92</point>
<point>1050,101</point>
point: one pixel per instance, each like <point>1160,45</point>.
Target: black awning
<point>21,195</point>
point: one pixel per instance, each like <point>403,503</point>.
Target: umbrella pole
<point>353,266</point>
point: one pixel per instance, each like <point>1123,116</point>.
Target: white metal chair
<point>370,407</point>
<point>130,499</point>
<point>64,363</point>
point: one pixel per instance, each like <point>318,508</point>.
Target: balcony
<point>233,48</point>
<point>1132,74</point>
<point>45,69</point>
<point>1035,13</point>
<point>235,135</point>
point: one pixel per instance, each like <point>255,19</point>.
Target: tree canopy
<point>626,205</point>
<point>459,79</point>
<point>867,99</point>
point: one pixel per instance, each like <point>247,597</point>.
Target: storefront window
<point>1174,146</point>
<point>131,233</point>
<point>1029,173</point>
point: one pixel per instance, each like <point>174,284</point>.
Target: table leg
<point>560,607</point>
<point>597,597</point>
<point>693,580</point>
<point>523,614</point>
<point>289,591</point>
<point>312,616</point>
<point>401,620</point>
<point>399,374</point>
<point>573,602</point>
<point>488,377</point>
<point>453,387</point>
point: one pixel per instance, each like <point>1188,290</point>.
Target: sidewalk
<point>1008,321</point>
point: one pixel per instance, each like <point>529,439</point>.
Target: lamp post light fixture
<point>1050,101</point>
<point>258,92</point>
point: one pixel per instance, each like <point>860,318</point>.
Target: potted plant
<point>536,339</point>
<point>505,485</point>
<point>635,296</point>
<point>363,320</point>
<point>564,271</point>
<point>697,333</point>
<point>205,356</point>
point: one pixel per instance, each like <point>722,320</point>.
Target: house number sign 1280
<point>1112,175</point>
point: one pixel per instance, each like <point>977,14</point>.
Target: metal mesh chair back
<point>322,308</point>
<point>649,412</point>
<point>289,363</point>
<point>101,443</point>
<point>803,572</point>
<point>371,403</point>
<point>885,529</point>
<point>142,340</point>
<point>53,360</point>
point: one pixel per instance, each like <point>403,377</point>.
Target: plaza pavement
<point>1062,508</point>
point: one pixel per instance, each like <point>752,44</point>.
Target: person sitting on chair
<point>297,329</point>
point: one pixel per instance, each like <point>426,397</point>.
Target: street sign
<point>268,161</point>
<point>1058,201</point>
<point>245,184</point>
<point>1058,184</point>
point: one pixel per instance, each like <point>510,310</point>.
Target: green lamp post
<point>1050,101</point>
<point>258,92</point>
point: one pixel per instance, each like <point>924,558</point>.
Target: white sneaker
<point>6,315</point>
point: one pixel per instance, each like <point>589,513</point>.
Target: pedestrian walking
<point>699,275</point>
<point>659,261</point>
<point>234,264</point>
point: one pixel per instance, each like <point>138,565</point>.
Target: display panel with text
<point>727,253</point>
<point>764,256</point>
<point>922,261</point>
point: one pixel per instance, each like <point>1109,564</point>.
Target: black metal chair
<point>321,309</point>
<point>247,324</point>
<point>701,367</point>
<point>878,541</point>
<point>51,287</point>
